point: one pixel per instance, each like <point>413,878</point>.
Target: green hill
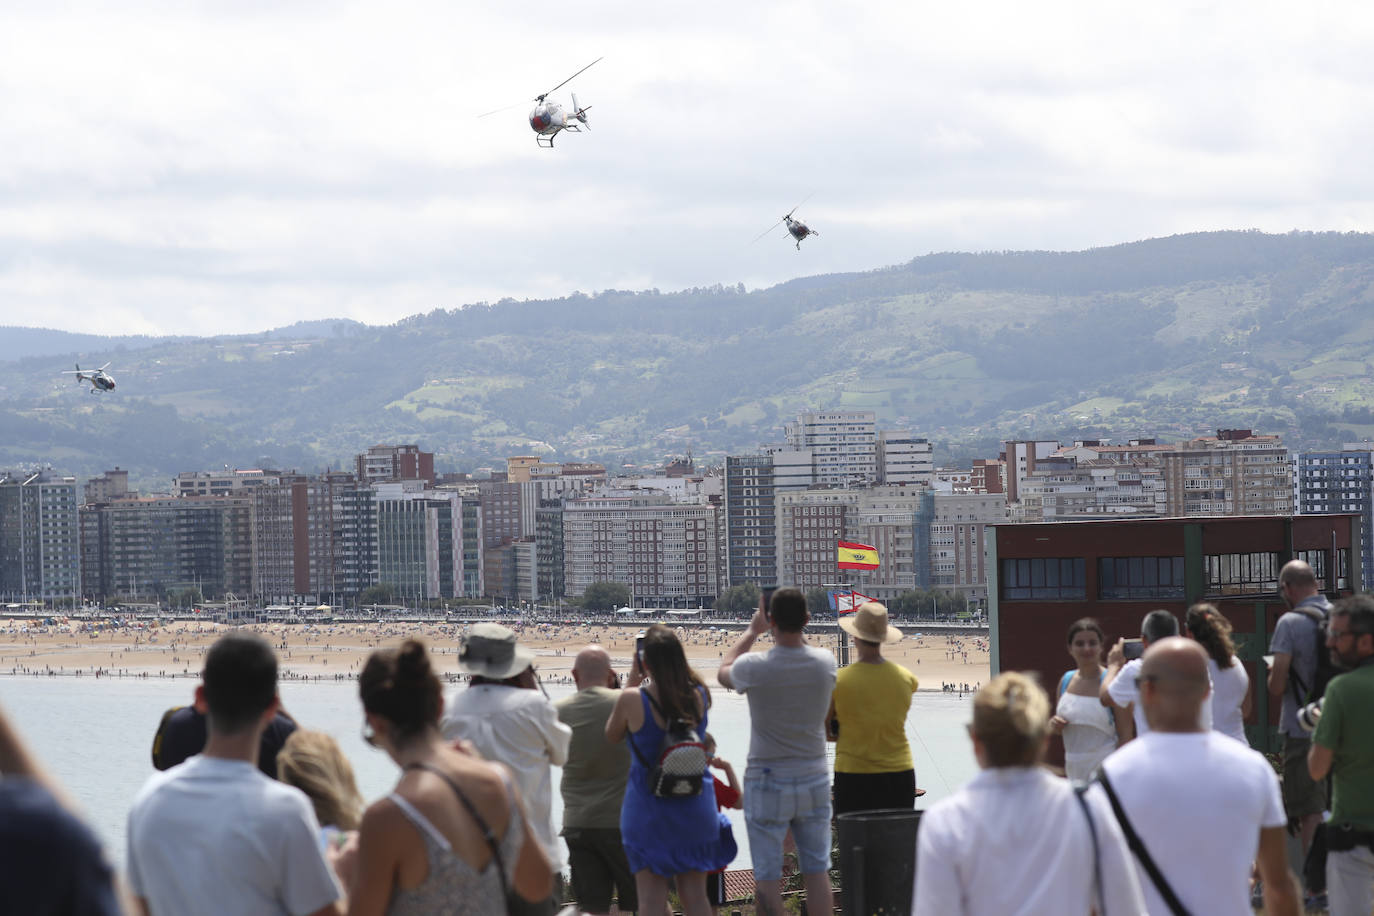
<point>1166,337</point>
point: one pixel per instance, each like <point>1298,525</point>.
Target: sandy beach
<point>337,651</point>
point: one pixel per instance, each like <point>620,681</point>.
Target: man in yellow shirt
<point>867,720</point>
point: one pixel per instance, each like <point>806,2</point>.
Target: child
<point>728,795</point>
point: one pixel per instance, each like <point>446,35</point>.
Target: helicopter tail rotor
<point>579,112</point>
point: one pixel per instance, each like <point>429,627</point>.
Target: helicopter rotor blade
<point>499,110</point>
<point>573,77</point>
<point>766,231</point>
<point>798,206</point>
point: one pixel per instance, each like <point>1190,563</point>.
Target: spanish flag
<point>857,556</point>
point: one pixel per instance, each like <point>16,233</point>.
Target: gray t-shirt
<point>789,690</point>
<point>1294,636</point>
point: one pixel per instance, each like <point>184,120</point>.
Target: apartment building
<point>313,538</point>
<point>665,552</point>
<point>1327,482</point>
<point>843,445</point>
<point>958,542</point>
<point>1232,473</point>
<point>751,552</point>
<point>40,544</point>
<point>386,463</point>
<point>219,483</point>
<point>904,458</point>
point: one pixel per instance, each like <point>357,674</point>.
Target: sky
<point>206,168</point>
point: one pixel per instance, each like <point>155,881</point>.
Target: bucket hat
<point>490,650</point>
<point>869,623</point>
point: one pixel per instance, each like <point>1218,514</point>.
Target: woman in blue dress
<point>681,838</point>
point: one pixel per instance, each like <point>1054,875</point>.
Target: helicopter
<point>99,379</point>
<point>548,117</point>
<point>796,227</point>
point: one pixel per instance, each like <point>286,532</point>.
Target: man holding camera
<point>1120,688</point>
<point>1295,647</point>
<point>1343,745</point>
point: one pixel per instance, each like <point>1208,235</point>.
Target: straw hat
<point>490,650</point>
<point>869,623</point>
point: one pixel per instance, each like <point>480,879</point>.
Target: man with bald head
<point>1200,805</point>
<point>593,788</point>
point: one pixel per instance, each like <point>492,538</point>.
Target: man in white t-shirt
<point>214,834</point>
<point>1120,689</point>
<point>1203,806</point>
<point>787,780</point>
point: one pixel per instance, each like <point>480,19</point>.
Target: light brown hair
<point>1011,717</point>
<point>312,762</point>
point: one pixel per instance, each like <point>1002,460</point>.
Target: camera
<point>767,592</point>
<point>1309,715</point>
<point>1132,649</point>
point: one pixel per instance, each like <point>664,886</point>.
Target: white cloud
<point>204,168</point>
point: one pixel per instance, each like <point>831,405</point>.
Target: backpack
<point>1325,669</point>
<point>682,758</point>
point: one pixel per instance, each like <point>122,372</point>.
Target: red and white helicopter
<point>548,117</point>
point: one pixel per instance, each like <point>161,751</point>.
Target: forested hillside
<point>1164,337</point>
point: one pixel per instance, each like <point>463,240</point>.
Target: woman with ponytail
<point>1230,681</point>
<point>1018,839</point>
<point>453,836</point>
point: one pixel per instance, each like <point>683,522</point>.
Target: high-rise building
<point>958,541</point>
<point>387,463</point>
<point>421,547</point>
<point>665,552</point>
<point>145,549</point>
<point>548,541</point>
<point>843,444</point>
<point>40,543</point>
<point>1343,481</point>
<point>751,551</point>
<point>1232,473</point>
<point>312,538</point>
<point>904,458</point>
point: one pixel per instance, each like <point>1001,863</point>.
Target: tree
<point>605,596</point>
<point>738,600</point>
<point>381,593</point>
<point>817,601</point>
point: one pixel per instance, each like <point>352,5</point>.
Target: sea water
<point>95,737</point>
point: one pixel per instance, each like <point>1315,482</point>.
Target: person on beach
<point>505,714</point>
<point>867,719</point>
<point>786,778</point>
<point>214,834</point>
<point>452,837</point>
<point>313,762</point>
<point>593,788</point>
<point>1090,730</point>
<point>1202,806</point>
<point>1017,839</point>
<point>1230,681</point>
<point>51,864</point>
<point>679,838</point>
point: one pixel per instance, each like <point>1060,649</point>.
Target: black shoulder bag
<point>507,891</point>
<point>1141,853</point>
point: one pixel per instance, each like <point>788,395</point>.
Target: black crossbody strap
<point>1097,852</point>
<point>1141,853</point>
<point>472,810</point>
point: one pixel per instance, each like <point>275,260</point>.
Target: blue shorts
<point>772,804</point>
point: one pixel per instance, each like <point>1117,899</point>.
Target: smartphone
<point>768,591</point>
<point>639,650</point>
<point>1132,648</point>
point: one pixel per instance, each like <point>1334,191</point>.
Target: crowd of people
<point>1165,808</point>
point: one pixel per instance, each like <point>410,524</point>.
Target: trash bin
<point>877,851</point>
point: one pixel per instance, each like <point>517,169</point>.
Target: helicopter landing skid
<point>546,140</point>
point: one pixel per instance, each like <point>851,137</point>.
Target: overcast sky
<point>216,167</point>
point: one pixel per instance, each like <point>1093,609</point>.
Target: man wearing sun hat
<point>505,714</point>
<point>867,720</point>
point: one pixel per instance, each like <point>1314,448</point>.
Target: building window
<point>1043,578</point>
<point>1242,573</point>
<point>1317,560</point>
<point>1140,577</point>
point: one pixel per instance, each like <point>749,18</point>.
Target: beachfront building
<point>313,538</point>
<point>1042,577</point>
<point>423,545</point>
<point>750,536</point>
<point>40,545</point>
<point>959,526</point>
<point>142,549</point>
<point>1340,482</point>
<point>664,551</point>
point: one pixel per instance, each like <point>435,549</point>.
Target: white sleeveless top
<point>1088,738</point>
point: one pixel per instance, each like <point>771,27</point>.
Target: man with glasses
<point>1343,745</point>
<point>1294,648</point>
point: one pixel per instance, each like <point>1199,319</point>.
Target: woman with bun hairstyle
<point>1230,681</point>
<point>1018,839</point>
<point>1091,731</point>
<point>681,838</point>
<point>424,848</point>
